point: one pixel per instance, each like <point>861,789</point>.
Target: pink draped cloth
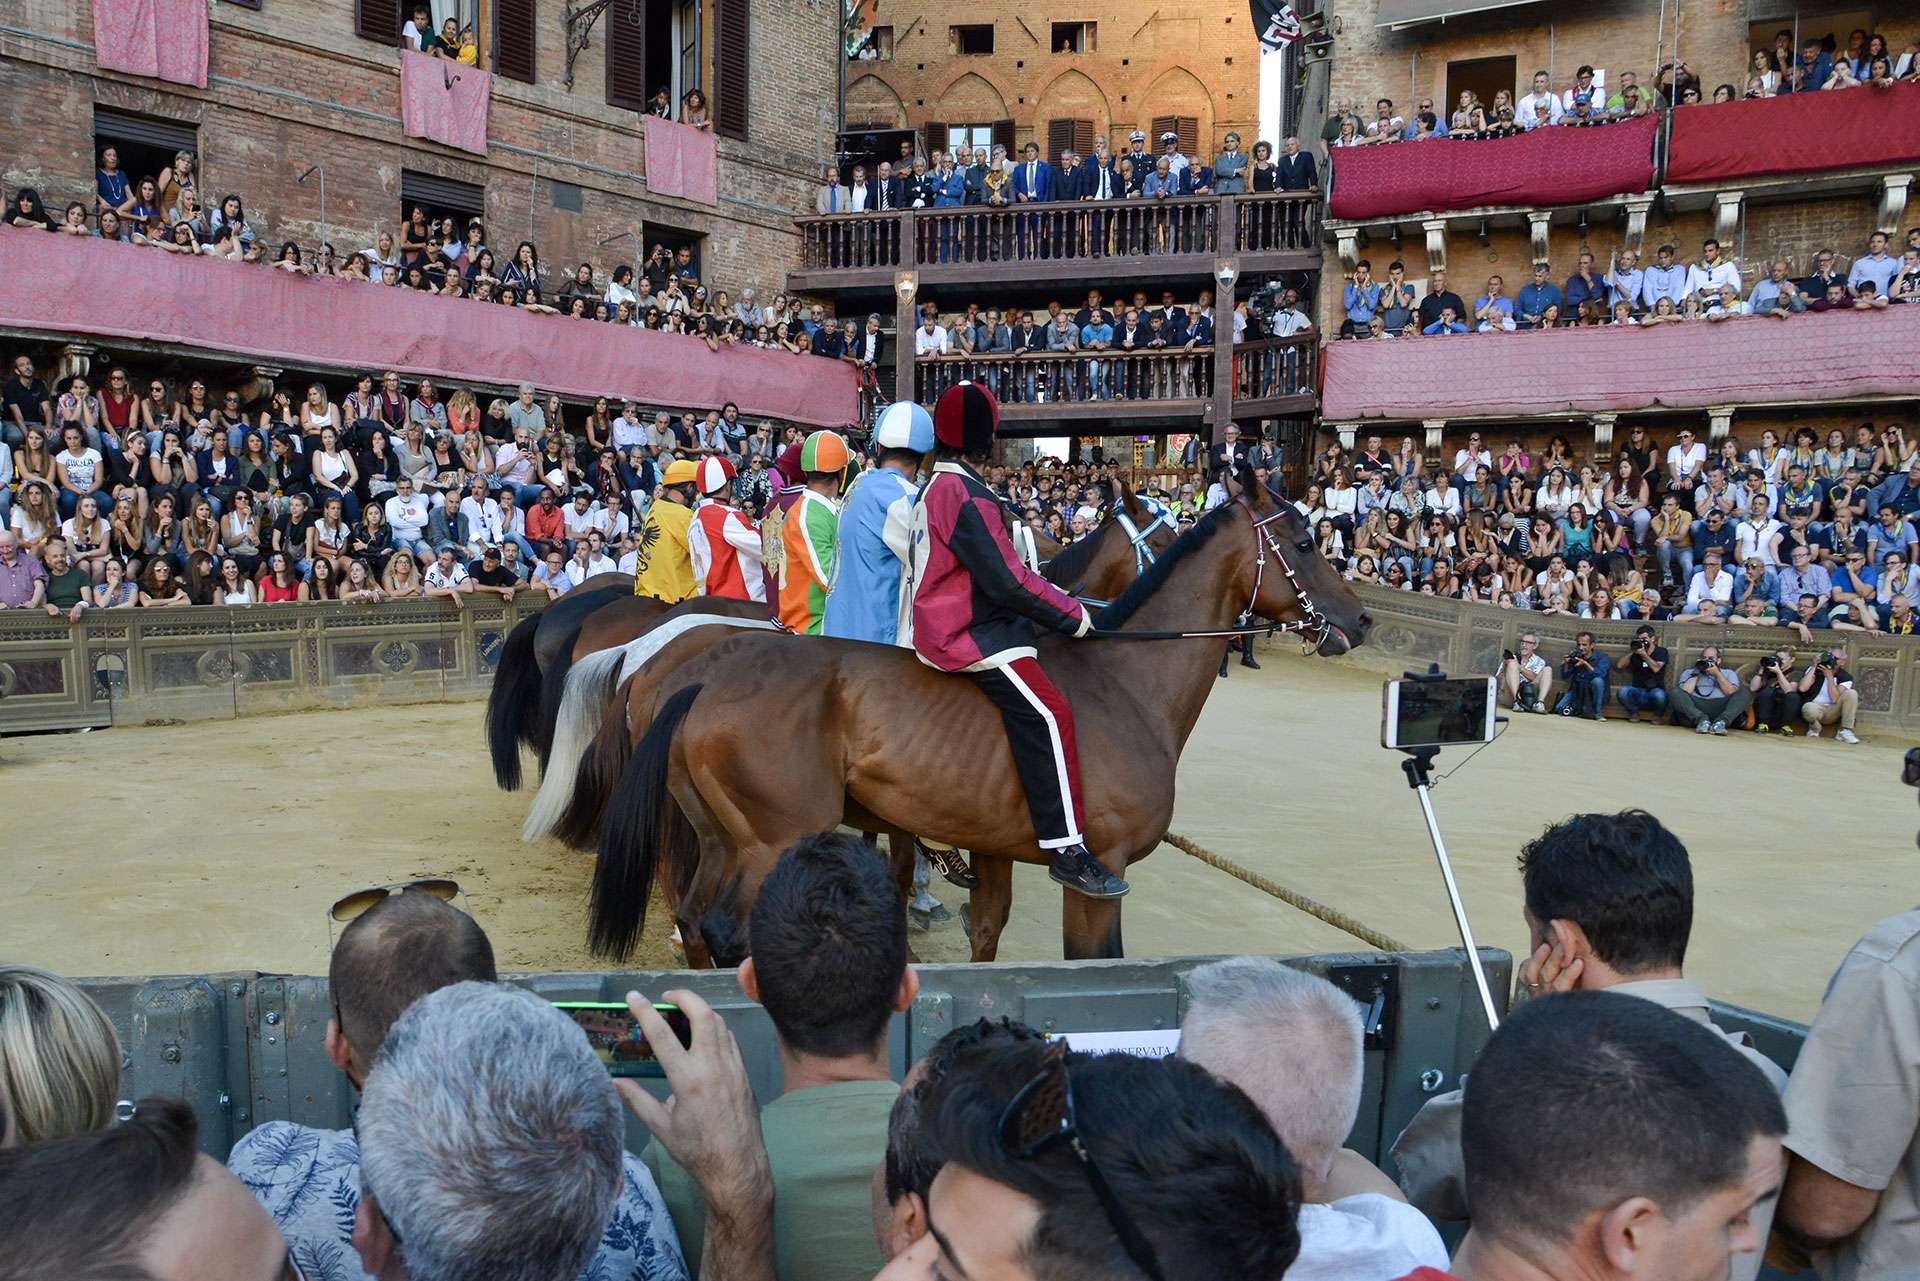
<point>1750,360</point>
<point>71,285</point>
<point>444,101</point>
<point>1798,133</point>
<point>681,160</point>
<point>163,39</point>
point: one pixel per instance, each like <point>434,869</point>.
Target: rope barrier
<point>1331,916</point>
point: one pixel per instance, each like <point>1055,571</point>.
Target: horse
<point>537,652</point>
<point>757,740</point>
<point>610,646</point>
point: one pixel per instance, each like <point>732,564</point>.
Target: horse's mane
<point>1070,564</point>
<point>1129,601</point>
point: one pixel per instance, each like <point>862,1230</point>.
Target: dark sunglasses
<point>1042,1115</point>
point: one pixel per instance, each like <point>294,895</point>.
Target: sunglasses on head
<point>360,902</point>
<point>1040,1116</point>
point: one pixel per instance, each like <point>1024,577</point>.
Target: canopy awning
<point>1407,13</point>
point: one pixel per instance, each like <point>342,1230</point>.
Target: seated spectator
<point>1292,1041</point>
<point>1609,906</point>
<point>135,1199</point>
<point>1778,294</point>
<point>1585,671</point>
<point>828,962</point>
<point>1191,1171</point>
<point>1646,690</point>
<point>395,952</point>
<point>59,1059</point>
<point>1525,677</point>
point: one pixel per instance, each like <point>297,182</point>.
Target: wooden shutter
<point>731,23</point>
<point>937,139</point>
<point>377,20</point>
<point>1003,135</point>
<point>1059,139</point>
<point>1160,125</point>
<point>1083,137</point>
<point>1187,128</point>
<point>627,55</point>
<point>513,43</point>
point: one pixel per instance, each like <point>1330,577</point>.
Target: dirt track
<point>207,847</point>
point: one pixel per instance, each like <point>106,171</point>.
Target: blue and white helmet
<point>905,425</point>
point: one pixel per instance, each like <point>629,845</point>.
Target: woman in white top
<point>235,587</point>
<point>620,288</point>
<point>1312,508</point>
<point>333,469</point>
<point>1555,495</point>
<point>1343,500</point>
<point>318,412</point>
<point>475,457</point>
<point>1769,458</point>
<point>86,534</point>
<point>240,532</point>
<point>1591,492</point>
<point>78,469</point>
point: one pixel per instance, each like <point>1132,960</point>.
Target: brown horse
<point>757,740</point>
<point>569,801</point>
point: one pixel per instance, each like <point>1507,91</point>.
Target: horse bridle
<point>1142,554</point>
<point>1315,627</point>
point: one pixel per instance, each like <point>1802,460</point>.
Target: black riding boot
<point>1246,653</point>
<point>1080,871</point>
<point>1224,660</point>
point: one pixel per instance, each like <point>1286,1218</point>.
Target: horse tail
<point>580,704</point>
<point>553,688</point>
<point>516,685</point>
<point>600,767</point>
<point>642,820</point>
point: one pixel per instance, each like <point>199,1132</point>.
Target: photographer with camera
<point>1708,695</point>
<point>1775,687</point>
<point>1585,671</point>
<point>1827,697</point>
<point>1525,678</point>
<point>1646,665</point>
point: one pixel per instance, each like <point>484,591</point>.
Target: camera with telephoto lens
<point>1769,662</point>
<point>1703,665</point>
<point>1829,659</point>
<point>1266,300</point>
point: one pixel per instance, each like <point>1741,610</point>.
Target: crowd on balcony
<point>1666,291</point>
<point>1806,535</point>
<point>1131,348</point>
<point>172,491</point>
<point>443,256</point>
<point>1822,63</point>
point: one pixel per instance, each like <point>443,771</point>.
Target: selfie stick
<point>1418,767</point>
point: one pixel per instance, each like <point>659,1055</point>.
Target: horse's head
<point>1293,581</point>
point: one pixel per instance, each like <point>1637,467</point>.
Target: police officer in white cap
<point>1170,148</point>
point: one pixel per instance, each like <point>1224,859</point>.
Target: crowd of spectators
<point>168,491</point>
<point>1002,1153</point>
<point>1664,291</point>
<point>1822,64</point>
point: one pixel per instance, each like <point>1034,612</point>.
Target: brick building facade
<point>1108,67</point>
<point>292,85</point>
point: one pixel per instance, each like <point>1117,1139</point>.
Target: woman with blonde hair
<point>59,1059</point>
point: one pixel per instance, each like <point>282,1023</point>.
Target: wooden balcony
<point>1044,393</point>
<point>1054,242</point>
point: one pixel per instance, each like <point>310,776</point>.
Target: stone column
<point>1602,436</point>
<point>76,359</point>
<point>1436,229</point>
<point>1893,202</point>
<point>1538,224</point>
<point>1719,423</point>
<point>1436,427</point>
<point>904,323</point>
<point>1726,217</point>
<point>1637,210</point>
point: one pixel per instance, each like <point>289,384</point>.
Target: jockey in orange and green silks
<point>810,537</point>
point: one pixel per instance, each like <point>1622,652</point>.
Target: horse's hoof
<point>922,921</point>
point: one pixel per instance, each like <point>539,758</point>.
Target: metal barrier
<point>1411,630</point>
<point>130,666</point>
<point>246,1048</point>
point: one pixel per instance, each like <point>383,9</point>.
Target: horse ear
<point>1243,473</point>
<point>1130,502</point>
<point>1231,482</point>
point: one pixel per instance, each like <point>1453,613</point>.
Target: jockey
<point>810,536</point>
<point>662,567</point>
<point>864,601</point>
<point>724,545</point>
<point>970,607</point>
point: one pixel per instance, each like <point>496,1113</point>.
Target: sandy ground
<point>112,863</point>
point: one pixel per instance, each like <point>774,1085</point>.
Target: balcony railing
<point>1268,222</point>
<point>1269,369</point>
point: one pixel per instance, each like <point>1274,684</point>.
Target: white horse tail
<point>583,707</point>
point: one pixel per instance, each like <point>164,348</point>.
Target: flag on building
<point>1277,23</point>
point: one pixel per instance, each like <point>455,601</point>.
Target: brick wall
<point>291,85</point>
<point>1150,59</point>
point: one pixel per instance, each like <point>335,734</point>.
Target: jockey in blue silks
<point>864,600</point>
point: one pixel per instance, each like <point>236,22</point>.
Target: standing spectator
<point>1646,690</point>
<point>1585,297</point>
<point>1360,300</point>
<point>1493,310</point>
<point>1665,279</point>
<point>1541,106</point>
<point>829,964</point>
<point>1439,298</point>
<point>1708,695</point>
<point>1705,277</point>
<point>1538,305</point>
<point>1585,672</point>
<point>1827,696</point>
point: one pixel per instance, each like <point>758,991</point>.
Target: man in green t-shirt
<point>829,964</point>
<point>69,587</point>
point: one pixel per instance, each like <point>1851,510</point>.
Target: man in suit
<point>1230,452</point>
<point>1297,172</point>
<point>1102,183</point>
<point>949,187</point>
<point>1032,184</point>
<point>889,196</point>
<point>1230,168</point>
<point>831,197</point>
<point>1028,336</point>
<point>860,192</point>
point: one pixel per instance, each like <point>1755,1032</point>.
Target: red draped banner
<point>444,101</point>
<point>71,285</point>
<point>1798,133</point>
<point>164,39</point>
<point>1549,166</point>
<point>681,160</point>
<point>1752,360</point>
